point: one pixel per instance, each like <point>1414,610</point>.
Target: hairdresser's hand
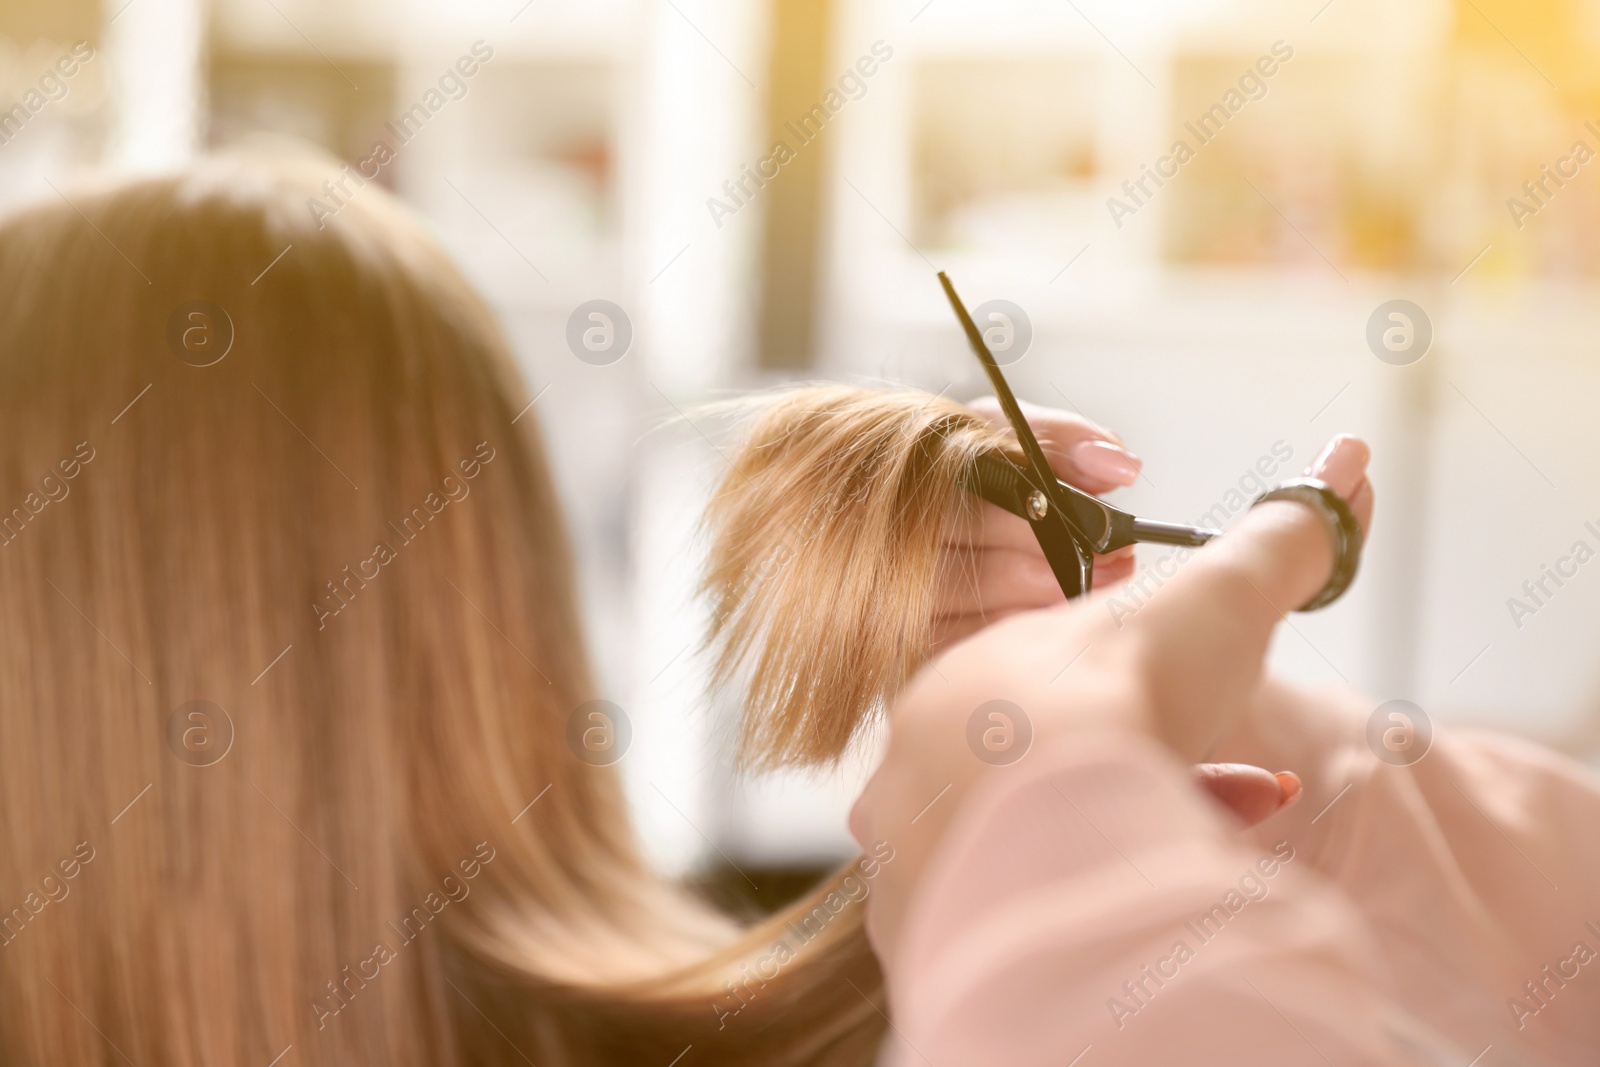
<point>995,568</point>
<point>1182,670</point>
<point>993,564</point>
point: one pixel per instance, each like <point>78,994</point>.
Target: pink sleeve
<point>1093,904</point>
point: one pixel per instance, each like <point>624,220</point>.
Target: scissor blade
<point>1038,471</point>
<point>1043,476</point>
<point>1064,540</point>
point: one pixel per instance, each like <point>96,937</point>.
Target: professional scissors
<point>1070,525</point>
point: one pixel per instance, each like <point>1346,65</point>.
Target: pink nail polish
<point>1289,787</point>
<point>1322,457</point>
<point>1104,461</point>
<point>1342,464</point>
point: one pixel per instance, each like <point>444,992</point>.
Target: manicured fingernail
<point>1288,788</point>
<point>1342,464</point>
<point>1106,462</point>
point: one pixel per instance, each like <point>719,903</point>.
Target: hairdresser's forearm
<point>1096,901</point>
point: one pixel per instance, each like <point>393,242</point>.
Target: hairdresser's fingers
<point>997,579</point>
<point>1251,793</point>
<point>1081,453</point>
<point>991,526</point>
<point>1114,569</point>
<point>981,586</point>
<point>1003,579</point>
<point>1204,636</point>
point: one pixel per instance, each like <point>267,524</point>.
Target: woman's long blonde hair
<point>334,558</point>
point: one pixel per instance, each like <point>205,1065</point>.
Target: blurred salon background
<point>762,191</point>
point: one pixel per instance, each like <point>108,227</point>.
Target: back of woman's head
<point>288,645</point>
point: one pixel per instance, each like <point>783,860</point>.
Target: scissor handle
<point>998,480</point>
<point>1148,531</point>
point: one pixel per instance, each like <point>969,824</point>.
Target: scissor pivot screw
<point>1038,505</point>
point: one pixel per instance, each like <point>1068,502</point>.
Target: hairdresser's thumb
<point>1280,555</point>
<point>1206,632</point>
<point>1285,544</point>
